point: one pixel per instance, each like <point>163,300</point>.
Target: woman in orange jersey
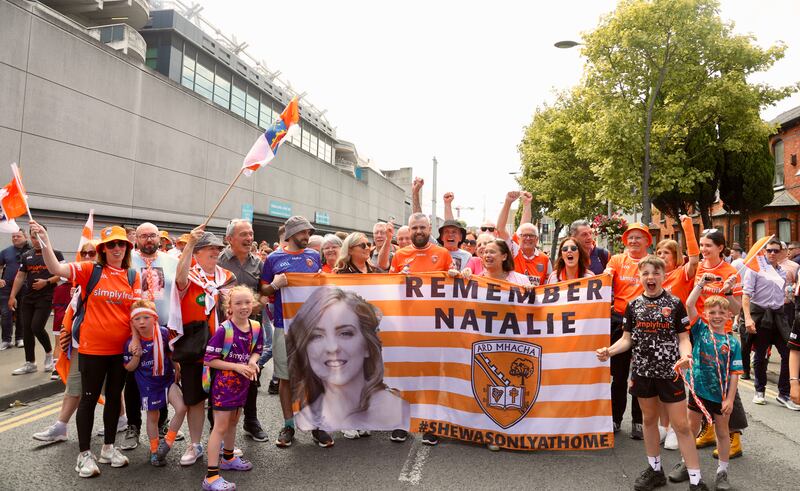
<point>572,263</point>
<point>680,275</point>
<point>331,245</point>
<point>624,271</point>
<point>101,333</point>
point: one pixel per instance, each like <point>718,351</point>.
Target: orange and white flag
<point>485,362</point>
<point>758,263</point>
<point>13,202</point>
<point>86,235</point>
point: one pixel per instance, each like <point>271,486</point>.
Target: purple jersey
<point>229,388</point>
<point>283,261</point>
<point>152,388</point>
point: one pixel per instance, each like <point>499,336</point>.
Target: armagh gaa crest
<point>505,378</point>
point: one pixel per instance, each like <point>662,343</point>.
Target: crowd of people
<point>146,322</point>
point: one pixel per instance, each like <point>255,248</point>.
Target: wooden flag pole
<point>224,195</point>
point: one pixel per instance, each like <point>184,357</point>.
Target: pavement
<point>771,444</point>
<point>28,387</point>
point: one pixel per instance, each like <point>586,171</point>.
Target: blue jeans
<point>266,326</point>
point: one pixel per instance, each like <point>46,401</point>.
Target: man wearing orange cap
<point>624,271</point>
<point>179,245</point>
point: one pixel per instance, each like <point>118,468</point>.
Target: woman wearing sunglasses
<point>101,337</point>
<point>572,263</point>
<point>354,256</point>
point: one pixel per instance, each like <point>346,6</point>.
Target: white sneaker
<point>87,466</point>
<point>20,343</point>
<point>4,345</point>
<point>49,363</point>
<point>787,403</point>
<point>759,399</point>
<point>671,441</point>
<point>192,454</point>
<point>28,367</point>
<point>52,434</point>
<point>122,425</point>
<point>112,455</point>
<point>662,434</point>
<point>351,434</point>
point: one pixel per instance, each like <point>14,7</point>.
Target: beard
<point>149,249</point>
<point>420,240</point>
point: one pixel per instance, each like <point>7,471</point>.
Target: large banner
<point>469,360</point>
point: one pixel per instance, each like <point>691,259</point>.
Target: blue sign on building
<point>280,209</point>
<point>247,212</point>
<point>322,218</point>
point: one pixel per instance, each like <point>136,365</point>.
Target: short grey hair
<point>232,225</point>
<point>573,227</point>
<point>331,239</point>
<point>419,216</point>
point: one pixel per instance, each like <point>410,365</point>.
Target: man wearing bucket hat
<point>294,257</point>
<point>196,306</point>
<point>451,235</point>
<point>624,271</point>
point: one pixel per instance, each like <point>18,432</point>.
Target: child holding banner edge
<point>656,330</point>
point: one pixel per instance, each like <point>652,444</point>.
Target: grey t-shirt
<point>460,258</point>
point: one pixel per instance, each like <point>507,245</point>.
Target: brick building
<point>780,217</point>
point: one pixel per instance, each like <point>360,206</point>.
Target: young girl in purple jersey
<point>233,352</point>
<point>155,376</point>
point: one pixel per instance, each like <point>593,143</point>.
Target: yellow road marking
<point>26,414</point>
<point>749,385</point>
<point>30,419</point>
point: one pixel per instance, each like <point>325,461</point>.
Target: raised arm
<point>527,215</point>
<point>386,248</point>
<point>416,189</point>
<point>691,302</point>
<point>50,260</point>
<point>448,205</point>
<point>692,248</point>
<point>185,261</point>
<point>502,220</point>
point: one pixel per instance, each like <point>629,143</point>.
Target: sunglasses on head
<point>88,253</point>
<point>470,242</point>
<point>115,243</point>
<point>487,229</point>
<point>566,248</point>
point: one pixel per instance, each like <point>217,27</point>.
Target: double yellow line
<point>30,416</point>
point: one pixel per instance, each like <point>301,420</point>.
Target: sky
<point>458,80</point>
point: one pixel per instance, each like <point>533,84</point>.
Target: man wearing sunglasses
<point>9,259</point>
<point>157,270</point>
<point>762,308</point>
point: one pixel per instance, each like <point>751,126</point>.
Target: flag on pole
<point>758,263</point>
<point>86,235</point>
<point>266,146</point>
<point>12,203</point>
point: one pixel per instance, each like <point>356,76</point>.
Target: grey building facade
<point>93,125</point>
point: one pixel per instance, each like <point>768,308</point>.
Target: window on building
<point>785,230</point>
<point>759,230</point>
<point>265,120</point>
<point>251,109</point>
<point>187,73</point>
<point>778,163</point>
<point>222,88</point>
<point>322,150</point>
<point>331,154</point>
<point>296,137</point>
<point>151,58</point>
<point>737,235</point>
<point>237,98</point>
<point>313,144</point>
<point>306,141</point>
<point>204,78</point>
<point>112,33</point>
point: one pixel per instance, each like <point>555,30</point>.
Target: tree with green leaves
<point>563,185</point>
<point>663,80</point>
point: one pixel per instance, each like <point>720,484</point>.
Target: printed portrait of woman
<point>336,366</point>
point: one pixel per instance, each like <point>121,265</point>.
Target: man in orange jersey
<point>528,259</point>
<point>624,271</point>
<point>422,256</point>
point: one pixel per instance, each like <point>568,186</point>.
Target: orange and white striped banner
<point>485,362</point>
